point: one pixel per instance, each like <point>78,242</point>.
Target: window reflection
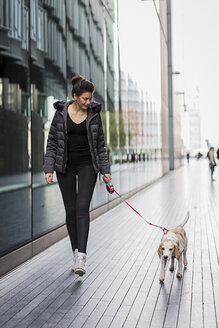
<point>15,147</point>
<point>48,83</point>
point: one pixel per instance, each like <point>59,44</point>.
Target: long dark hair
<point>81,85</point>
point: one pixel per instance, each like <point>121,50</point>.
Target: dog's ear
<point>159,251</point>
<point>177,251</point>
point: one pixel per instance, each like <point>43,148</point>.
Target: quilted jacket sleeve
<point>51,148</point>
<point>102,152</point>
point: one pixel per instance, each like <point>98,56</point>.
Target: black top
<point>78,147</point>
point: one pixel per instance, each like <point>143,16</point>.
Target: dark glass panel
<point>48,84</point>
<point>15,146</point>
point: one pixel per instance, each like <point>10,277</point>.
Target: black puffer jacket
<point>56,150</point>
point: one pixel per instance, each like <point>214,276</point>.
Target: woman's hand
<point>48,178</point>
<point>107,178</point>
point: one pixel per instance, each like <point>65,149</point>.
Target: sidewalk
<point>121,287</point>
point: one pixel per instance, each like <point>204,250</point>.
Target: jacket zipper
<point>91,146</point>
<point>66,153</point>
<point>65,143</point>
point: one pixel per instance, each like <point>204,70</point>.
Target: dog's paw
<point>171,269</point>
<point>162,279</point>
<point>185,263</point>
<point>179,275</point>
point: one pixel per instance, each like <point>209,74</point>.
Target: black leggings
<point>77,202</point>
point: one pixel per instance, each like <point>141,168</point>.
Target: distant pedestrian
<point>212,162</point>
<point>218,154</point>
<point>187,156</point>
<point>76,147</point>
<point>133,157</point>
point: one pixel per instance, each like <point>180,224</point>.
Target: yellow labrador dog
<point>173,245</point>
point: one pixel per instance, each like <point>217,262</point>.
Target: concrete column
<point>170,87</point>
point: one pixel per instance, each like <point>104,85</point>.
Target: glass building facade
<point>43,43</point>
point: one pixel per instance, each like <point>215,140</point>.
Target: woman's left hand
<point>107,178</point>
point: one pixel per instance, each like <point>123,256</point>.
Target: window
<point>33,7</point>
<point>25,27</point>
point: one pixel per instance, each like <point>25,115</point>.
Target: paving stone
<point>121,287</point>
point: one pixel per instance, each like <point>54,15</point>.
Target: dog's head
<point>167,249</point>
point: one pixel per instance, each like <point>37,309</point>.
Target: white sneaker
<point>75,259</point>
<point>81,265</point>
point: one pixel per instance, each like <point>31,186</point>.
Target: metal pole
<point>170,87</point>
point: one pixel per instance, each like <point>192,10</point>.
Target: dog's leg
<point>179,272</point>
<point>185,262</point>
<point>172,264</point>
<point>162,273</point>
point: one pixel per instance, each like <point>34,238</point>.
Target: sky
<point>139,34</point>
<point>195,26</point>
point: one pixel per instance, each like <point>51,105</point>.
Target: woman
<point>76,147</point>
<point>212,162</point>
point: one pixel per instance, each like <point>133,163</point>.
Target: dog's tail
<point>183,223</point>
<point>185,220</point>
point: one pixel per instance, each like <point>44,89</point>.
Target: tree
<point>122,135</point>
<point>113,130</point>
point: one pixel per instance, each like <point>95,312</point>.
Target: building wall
<point>178,146</point>
<point>141,120</point>
<point>164,88</point>
<point>43,44</point>
<point>193,109</point>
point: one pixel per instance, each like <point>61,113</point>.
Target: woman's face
<point>84,99</point>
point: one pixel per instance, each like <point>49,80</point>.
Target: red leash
<point>111,190</point>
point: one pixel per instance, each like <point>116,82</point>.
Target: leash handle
<point>110,188</point>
